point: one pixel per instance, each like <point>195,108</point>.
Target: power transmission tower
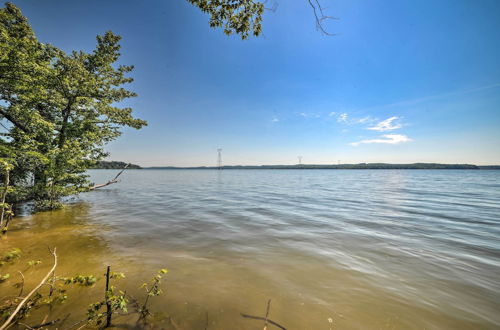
<point>300,160</point>
<point>219,159</point>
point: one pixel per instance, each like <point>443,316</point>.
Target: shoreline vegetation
<point>360,166</point>
<point>59,110</point>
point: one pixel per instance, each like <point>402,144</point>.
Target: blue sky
<point>402,81</point>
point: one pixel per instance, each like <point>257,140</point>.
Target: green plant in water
<point>81,280</point>
<point>11,256</point>
<point>4,278</point>
<point>33,263</point>
<point>100,313</point>
<point>97,314</point>
<point>152,289</point>
<point>116,276</point>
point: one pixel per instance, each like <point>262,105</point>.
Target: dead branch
<point>273,8</point>
<point>20,305</point>
<point>320,17</point>
<point>114,180</point>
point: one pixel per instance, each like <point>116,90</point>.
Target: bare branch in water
<point>114,180</point>
<point>265,319</point>
<point>41,325</point>
<point>20,305</point>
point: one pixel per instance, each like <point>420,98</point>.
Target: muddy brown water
<point>333,249</point>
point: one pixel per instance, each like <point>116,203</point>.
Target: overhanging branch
<point>114,180</point>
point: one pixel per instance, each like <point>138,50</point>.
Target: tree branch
<point>16,123</point>
<point>114,180</point>
<point>317,9</point>
<point>20,305</point>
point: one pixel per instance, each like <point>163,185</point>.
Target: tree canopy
<point>58,110</point>
<point>244,17</point>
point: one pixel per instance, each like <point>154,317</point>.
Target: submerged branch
<point>41,325</point>
<point>20,305</point>
<point>263,319</point>
<point>266,318</point>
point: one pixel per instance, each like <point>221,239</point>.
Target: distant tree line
<point>114,165</point>
<point>361,166</point>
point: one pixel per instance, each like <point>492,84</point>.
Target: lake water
<point>332,249</point>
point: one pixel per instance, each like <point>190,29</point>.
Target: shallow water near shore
<point>333,249</point>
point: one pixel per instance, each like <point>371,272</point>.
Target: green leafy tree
<point>58,110</point>
<point>243,17</point>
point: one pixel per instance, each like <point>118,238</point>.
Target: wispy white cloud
<point>364,120</point>
<point>345,118</point>
<point>310,115</point>
<point>387,138</point>
<point>342,118</point>
<point>275,119</point>
<point>386,125</point>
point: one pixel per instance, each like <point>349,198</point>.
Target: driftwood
<point>114,180</point>
<point>20,305</point>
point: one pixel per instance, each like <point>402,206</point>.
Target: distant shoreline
<point>361,166</point>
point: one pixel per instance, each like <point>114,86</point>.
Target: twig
<point>41,325</point>
<point>267,313</point>
<point>20,305</point>
<point>321,18</point>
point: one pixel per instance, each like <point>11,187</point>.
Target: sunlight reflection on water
<point>382,249</point>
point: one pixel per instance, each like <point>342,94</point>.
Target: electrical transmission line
<point>219,159</point>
